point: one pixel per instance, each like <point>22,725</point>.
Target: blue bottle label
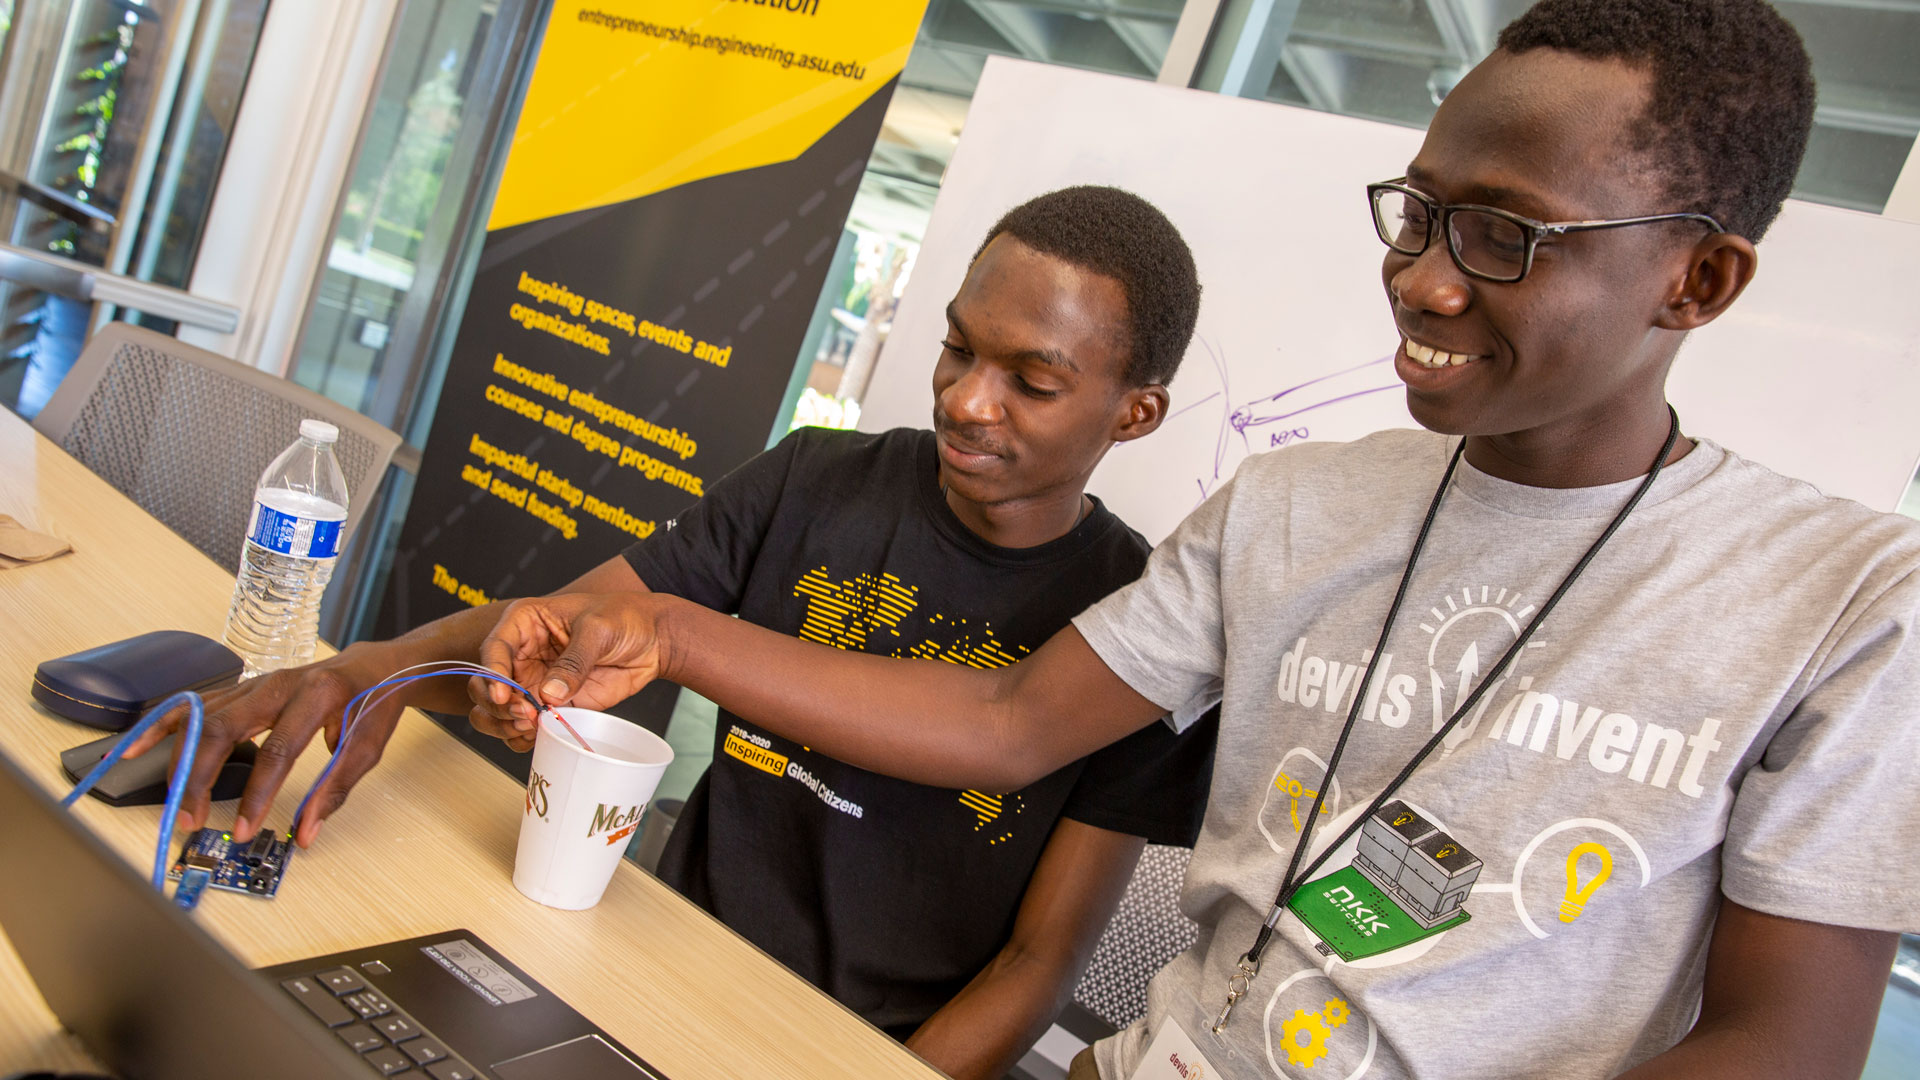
<point>289,534</point>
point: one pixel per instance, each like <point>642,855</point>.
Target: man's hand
<point>588,650</point>
<point>296,703</point>
<point>292,705</point>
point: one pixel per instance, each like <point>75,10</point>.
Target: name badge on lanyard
<point>1173,1056</point>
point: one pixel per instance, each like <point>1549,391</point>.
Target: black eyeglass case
<point>112,686</point>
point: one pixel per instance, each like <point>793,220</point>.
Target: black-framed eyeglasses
<point>1485,241</point>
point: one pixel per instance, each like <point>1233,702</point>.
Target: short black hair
<point>1732,100</point>
<point>1123,236</point>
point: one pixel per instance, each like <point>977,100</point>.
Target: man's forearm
<point>1077,884</point>
<point>990,1024</point>
<point>454,637</point>
<point>930,722</point>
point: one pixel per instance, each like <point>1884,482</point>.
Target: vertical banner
<point>676,184</point>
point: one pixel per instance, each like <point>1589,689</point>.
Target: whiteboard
<point>1814,373</point>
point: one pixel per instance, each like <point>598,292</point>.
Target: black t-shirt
<point>890,895</point>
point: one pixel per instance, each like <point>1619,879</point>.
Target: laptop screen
<point>152,995</point>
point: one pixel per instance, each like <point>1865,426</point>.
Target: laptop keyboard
<point>387,1039</point>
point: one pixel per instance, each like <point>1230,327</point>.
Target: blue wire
<point>176,788</point>
<point>347,729</point>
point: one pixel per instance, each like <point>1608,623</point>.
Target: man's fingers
<point>509,731</point>
<point>486,723</point>
<point>217,742</point>
<point>513,711</point>
<point>519,631</point>
<point>278,752</point>
<point>275,759</point>
<point>569,671</point>
<point>527,633</point>
<point>148,739</point>
<point>496,654</point>
<point>361,755</point>
<point>220,732</point>
<point>194,810</point>
<point>163,727</point>
<point>325,801</point>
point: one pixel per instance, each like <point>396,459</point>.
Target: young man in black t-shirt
<point>956,920</point>
<point>892,896</point>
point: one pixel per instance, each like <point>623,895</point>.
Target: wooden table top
<point>425,844</point>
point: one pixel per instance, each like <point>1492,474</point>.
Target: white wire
<point>374,702</point>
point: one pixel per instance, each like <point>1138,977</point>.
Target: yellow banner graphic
<point>631,97</point>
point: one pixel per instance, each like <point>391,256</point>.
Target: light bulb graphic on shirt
<point>1579,895</point>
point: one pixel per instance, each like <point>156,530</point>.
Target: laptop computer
<point>155,997</point>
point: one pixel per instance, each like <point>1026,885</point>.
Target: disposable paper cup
<point>582,807</point>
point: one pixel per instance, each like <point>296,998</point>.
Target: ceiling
<point>1393,60</point>
<point>1383,59</point>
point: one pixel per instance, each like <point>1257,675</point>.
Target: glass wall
<point>399,174</point>
<point>187,165</point>
<point>392,285</point>
<point>115,124</point>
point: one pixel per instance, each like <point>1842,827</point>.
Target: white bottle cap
<point>319,431</point>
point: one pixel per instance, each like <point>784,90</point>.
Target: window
<point>1394,60</point>
<point>114,118</point>
<point>890,213</point>
<point>399,173</point>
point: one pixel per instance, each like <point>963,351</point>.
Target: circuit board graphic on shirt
<point>1408,880</point>
<point>868,613</point>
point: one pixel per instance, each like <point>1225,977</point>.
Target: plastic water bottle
<point>293,540</point>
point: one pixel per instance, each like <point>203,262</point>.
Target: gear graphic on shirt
<point>1315,1048</point>
<point>1336,1013</point>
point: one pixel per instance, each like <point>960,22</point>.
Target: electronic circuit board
<point>254,868</point>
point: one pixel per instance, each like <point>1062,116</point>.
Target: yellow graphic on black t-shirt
<point>963,649</point>
<point>843,614</point>
<point>870,609</point>
<point>755,755</point>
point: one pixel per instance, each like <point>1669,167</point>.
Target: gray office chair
<point>1148,929</point>
<point>186,433</point>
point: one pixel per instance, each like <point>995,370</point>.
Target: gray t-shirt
<point>1725,702</point>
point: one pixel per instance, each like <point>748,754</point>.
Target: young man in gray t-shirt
<point>1628,783</point>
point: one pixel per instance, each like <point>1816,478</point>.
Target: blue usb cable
<point>176,787</point>
<point>190,742</point>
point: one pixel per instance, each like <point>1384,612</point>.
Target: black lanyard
<point>1249,965</point>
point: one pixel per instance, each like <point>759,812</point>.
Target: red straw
<point>584,744</point>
